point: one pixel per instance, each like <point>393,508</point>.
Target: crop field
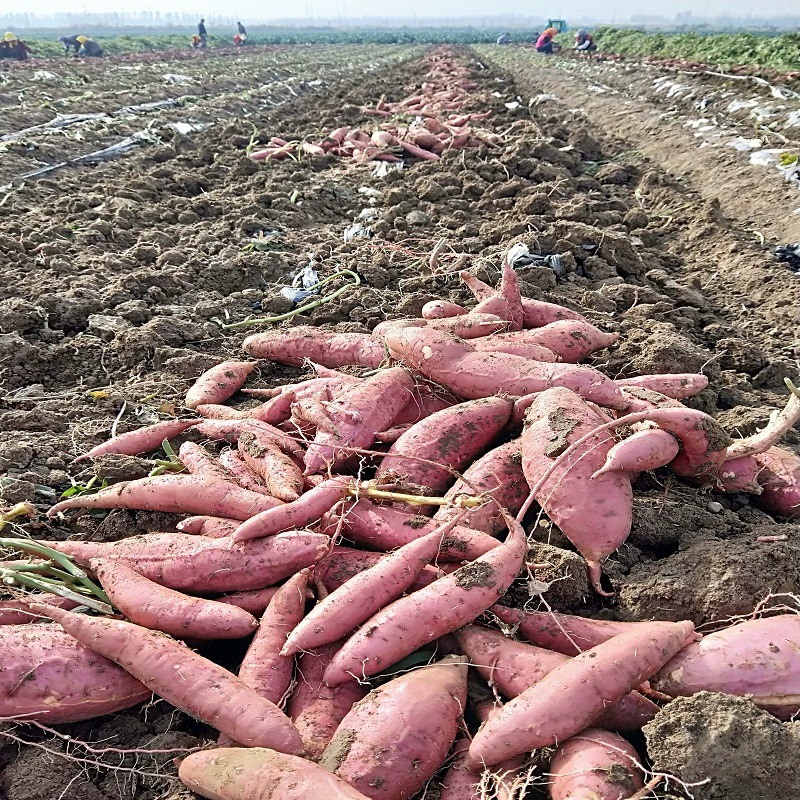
<point>337,212</point>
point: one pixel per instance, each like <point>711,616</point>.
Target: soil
<point>112,275</point>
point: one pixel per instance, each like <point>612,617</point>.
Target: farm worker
<point>584,42</point>
<point>544,44</point>
<point>504,38</point>
<point>202,32</point>
<point>70,41</point>
<point>89,47</point>
<point>242,32</point>
<point>13,47</point>
<point>195,41</point>
<point>237,40</point>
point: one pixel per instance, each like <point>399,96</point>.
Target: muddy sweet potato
<point>219,383</point>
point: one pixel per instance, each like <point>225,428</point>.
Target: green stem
<point>300,309</point>
<point>36,549</point>
<point>24,579</point>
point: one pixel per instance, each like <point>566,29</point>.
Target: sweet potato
<point>48,676</point>
<point>539,717</point>
<point>316,708</point>
<point>514,667</point>
<point>570,340</point>
<point>642,451</point>
<point>466,326</point>
<point>342,611</point>
<point>595,764</point>
<point>499,475</point>
<point>185,679</point>
<point>449,438</point>
<point>780,482</point>
<point>295,345</point>
<point>200,564</point>
<point>355,416</point>
<point>198,461</point>
<point>18,612</point>
<point>563,633</point>
<point>179,494</point>
<point>759,658</point>
<point>506,301</point>
<point>308,508</point>
<point>215,527</point>
<point>677,385</point>
<point>219,383</point>
<point>153,606</point>
<point>341,564</point>
<point>258,773</point>
<point>143,440</point>
<point>254,601</point>
<point>740,475</point>
<point>425,400</point>
<point>242,474</point>
<point>229,430</point>
<point>593,513</point>
<point>279,472</point>
<point>264,667</point>
<point>457,366</point>
<point>440,309</point>
<point>215,411</point>
<point>394,740</point>
<point>417,619</point>
<point>514,345</point>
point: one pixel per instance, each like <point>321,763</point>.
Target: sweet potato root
<point>219,383</point>
<point>143,440</point>
<point>393,741</point>
<point>153,606</point>
<point>50,677</point>
<point>779,479</point>
<point>179,494</point>
<point>642,451</point>
<point>279,472</point>
<point>677,386</point>
<point>257,773</point>
<point>295,345</point>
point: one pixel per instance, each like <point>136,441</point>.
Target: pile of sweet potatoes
<point>360,527</point>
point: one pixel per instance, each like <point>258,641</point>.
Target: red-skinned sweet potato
<point>280,472</point>
<point>593,513</point>
<point>539,717</point>
<point>779,479</point>
<point>449,438</point>
<point>642,451</point>
<point>50,677</point>
<point>595,764</point>
<point>257,773</point>
<point>677,385</point>
<point>393,741</point>
<point>142,440</point>
<point>215,527</point>
<point>219,383</point>
<point>295,345</point>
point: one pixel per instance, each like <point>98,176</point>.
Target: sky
<point>257,9</point>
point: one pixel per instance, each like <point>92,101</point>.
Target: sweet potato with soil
<point>429,613</point>
<point>642,451</point>
<point>442,309</point>
<point>563,633</point>
<point>279,472</point>
<point>153,606</point>
<point>592,680</point>
<point>593,513</point>
<point>514,667</point>
<point>594,764</point>
<point>295,345</point>
<point>570,340</point>
<point>394,740</point>
<point>185,679</point>
<point>452,363</point>
<point>229,430</point>
<point>515,346</point>
<point>199,462</point>
<point>467,326</point>
<point>677,385</point>
<point>779,479</point>
<point>50,677</point>
<point>204,565</point>
<point>353,418</point>
<point>258,773</point>
<point>242,474</point>
<point>264,667</point>
<point>739,475</point>
<point>450,438</point>
<point>341,564</point>
<point>311,506</point>
<point>386,528</point>
<point>506,301</point>
<point>316,708</point>
<point>142,440</point>
<point>759,659</point>
<point>353,603</point>
<point>219,383</point>
<point>215,527</point>
<point>178,494</point>
<point>499,475</point>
